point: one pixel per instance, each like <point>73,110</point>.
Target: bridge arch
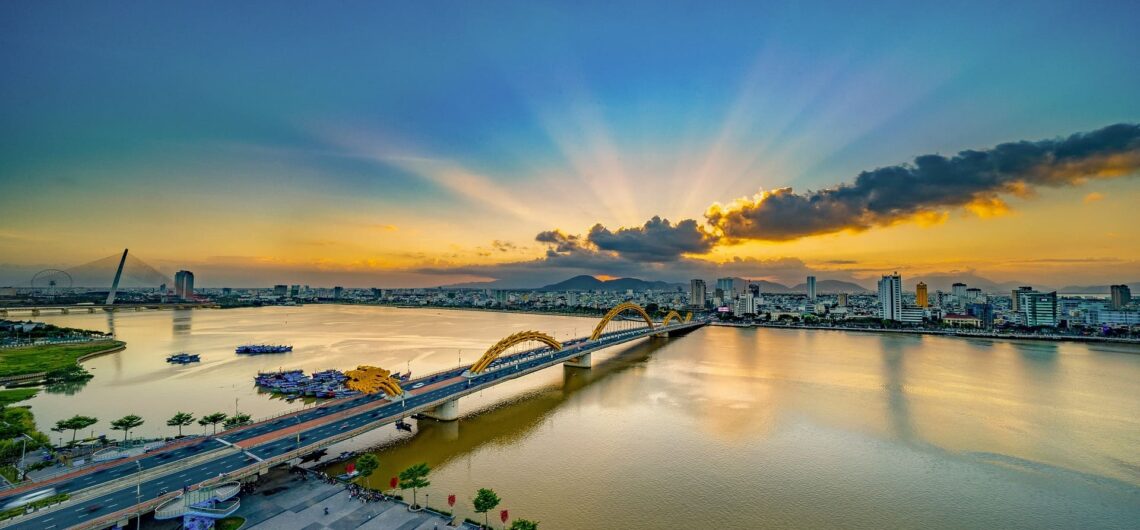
<point>617,310</point>
<point>510,340</point>
<point>670,316</point>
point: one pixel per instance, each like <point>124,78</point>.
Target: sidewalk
<point>283,501</point>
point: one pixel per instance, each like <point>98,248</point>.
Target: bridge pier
<point>446,411</point>
<point>65,311</point>
<point>35,312</point>
<point>581,361</point>
<point>90,309</point>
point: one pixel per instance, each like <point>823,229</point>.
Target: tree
<point>213,419</point>
<point>126,424</point>
<point>415,477</point>
<point>524,524</point>
<point>366,464</point>
<point>237,420</point>
<point>485,501</point>
<point>74,424</point>
<point>180,420</point>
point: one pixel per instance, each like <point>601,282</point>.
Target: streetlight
<point>138,496</point>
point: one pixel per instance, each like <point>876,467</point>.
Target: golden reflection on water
<point>729,428</point>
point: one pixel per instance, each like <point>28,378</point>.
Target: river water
<point>723,428</point>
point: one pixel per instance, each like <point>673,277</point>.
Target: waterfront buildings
<point>890,297</point>
<point>921,298</point>
<point>811,288</point>
<point>184,285</point>
<point>697,292</point>
<point>1121,296</point>
<point>1038,309</point>
<point>1015,299</point>
<point>725,286</point>
<point>959,291</point>
<point>841,300</point>
<point>280,290</point>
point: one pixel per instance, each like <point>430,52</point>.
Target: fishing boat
<point>258,349</point>
<point>183,358</point>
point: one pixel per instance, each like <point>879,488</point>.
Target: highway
<point>210,457</point>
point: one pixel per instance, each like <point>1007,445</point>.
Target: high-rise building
<point>1039,309</point>
<point>295,291</point>
<point>959,291</point>
<point>280,290</point>
<point>1015,300</point>
<point>973,294</point>
<point>811,288</point>
<point>983,312</point>
<point>1121,296</point>
<point>338,291</point>
<point>184,285</point>
<point>697,292</point>
<point>921,298</point>
<point>890,297</point>
<point>842,299</point>
<point>726,288</point>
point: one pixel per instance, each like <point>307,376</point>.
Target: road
<point>213,456</point>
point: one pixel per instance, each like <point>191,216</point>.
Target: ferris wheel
<point>49,282</point>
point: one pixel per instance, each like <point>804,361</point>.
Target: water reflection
<point>502,423</point>
<point>894,382</point>
<point>182,320</point>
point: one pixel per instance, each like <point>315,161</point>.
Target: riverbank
<point>37,362</point>
<point>943,333</point>
<point>284,501</point>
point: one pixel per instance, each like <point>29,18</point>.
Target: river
<point>723,428</point>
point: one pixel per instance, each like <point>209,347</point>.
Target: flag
<point>393,483</point>
<point>451,500</point>
<point>503,516</point>
<point>350,468</point>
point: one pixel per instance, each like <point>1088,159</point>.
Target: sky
<point>433,143</point>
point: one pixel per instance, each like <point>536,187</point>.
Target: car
<point>29,498</point>
<point>93,508</point>
<point>417,385</point>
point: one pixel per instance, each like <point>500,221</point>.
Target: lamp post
<point>138,496</point>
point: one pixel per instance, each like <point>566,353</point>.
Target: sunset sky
<point>424,143</point>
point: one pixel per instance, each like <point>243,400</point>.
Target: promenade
<point>289,501</point>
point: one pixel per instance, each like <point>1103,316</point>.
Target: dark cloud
<point>503,246</point>
<point>656,241</point>
<point>933,182</point>
<point>560,242</point>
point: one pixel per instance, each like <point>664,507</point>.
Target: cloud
<point>503,246</point>
<point>656,241</point>
<point>1093,197</point>
<point>971,179</point>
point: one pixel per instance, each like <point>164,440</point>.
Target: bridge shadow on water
<point>506,421</point>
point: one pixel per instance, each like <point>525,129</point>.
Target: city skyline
<point>617,142</point>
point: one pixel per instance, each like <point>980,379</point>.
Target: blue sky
<point>520,116</point>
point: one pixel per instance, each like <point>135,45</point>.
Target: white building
<point>890,297</point>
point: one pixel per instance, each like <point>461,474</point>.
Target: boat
<point>183,358</point>
<point>348,476</point>
<point>258,349</point>
<point>403,426</point>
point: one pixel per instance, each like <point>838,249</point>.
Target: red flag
<point>503,516</point>
<point>393,483</point>
<point>350,467</point>
<point>451,500</point>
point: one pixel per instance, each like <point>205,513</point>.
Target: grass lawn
<point>8,397</point>
<point>229,523</point>
<point>47,357</point>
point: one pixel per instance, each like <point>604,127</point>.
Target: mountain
<point>589,283</point>
<point>1095,289</point>
<point>829,287</point>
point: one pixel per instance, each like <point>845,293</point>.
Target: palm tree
<point>180,420</point>
<point>74,424</point>
<point>126,424</point>
<point>213,419</point>
<point>237,420</point>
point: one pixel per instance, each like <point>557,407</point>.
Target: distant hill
<point>1095,289</point>
<point>589,283</point>
<point>830,286</point>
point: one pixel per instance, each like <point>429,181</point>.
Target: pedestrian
<point>326,510</point>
